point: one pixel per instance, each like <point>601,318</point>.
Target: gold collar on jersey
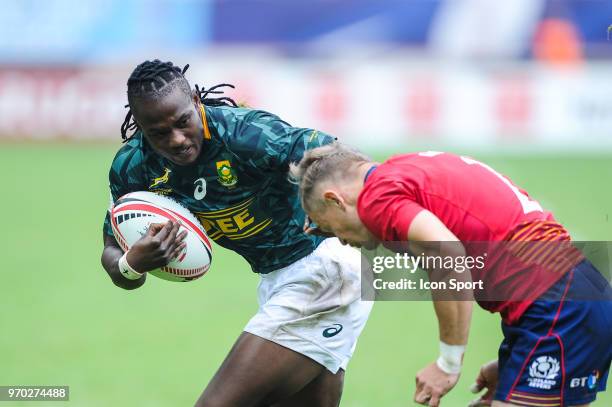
<point>204,123</point>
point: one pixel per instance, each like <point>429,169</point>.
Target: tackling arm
<point>428,235</point>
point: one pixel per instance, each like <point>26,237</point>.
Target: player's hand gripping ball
<point>131,217</point>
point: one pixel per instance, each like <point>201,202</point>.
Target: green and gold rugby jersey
<point>238,187</point>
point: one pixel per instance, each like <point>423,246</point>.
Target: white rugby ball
<point>133,213</point>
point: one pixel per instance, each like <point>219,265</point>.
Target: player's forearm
<point>453,308</point>
<point>110,262</point>
<point>454,321</point>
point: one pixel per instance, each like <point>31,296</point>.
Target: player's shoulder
<point>229,113</point>
<point>400,165</point>
<point>241,122</point>
<point>421,156</point>
<point>422,161</point>
<point>246,131</point>
<point>398,174</point>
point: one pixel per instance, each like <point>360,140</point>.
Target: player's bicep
<point>427,227</point>
<point>428,234</point>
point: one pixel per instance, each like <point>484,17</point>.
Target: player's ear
<point>333,199</point>
<point>195,97</point>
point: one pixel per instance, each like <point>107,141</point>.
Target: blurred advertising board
<point>390,102</point>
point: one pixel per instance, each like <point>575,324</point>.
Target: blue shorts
<point>559,352</point>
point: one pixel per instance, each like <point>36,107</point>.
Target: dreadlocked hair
<point>321,164</point>
<point>157,79</point>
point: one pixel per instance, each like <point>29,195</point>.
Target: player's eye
<point>183,121</point>
<point>154,135</point>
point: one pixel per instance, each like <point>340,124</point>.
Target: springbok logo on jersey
<point>161,180</point>
<point>227,175</point>
<point>542,372</point>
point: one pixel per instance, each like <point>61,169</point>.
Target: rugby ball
<point>133,213</point>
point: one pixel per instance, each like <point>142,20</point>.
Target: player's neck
<point>355,185</point>
<point>362,171</point>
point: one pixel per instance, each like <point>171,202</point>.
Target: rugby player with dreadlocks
<point>229,166</point>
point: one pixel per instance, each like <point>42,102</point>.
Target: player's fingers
<point>154,228</point>
<point>170,254</point>
<point>484,400</point>
<point>479,402</point>
<point>171,237</point>
<point>422,396</point>
<point>480,382</point>
<point>434,401</point>
<point>163,233</point>
<point>182,235</point>
<point>173,241</point>
<point>422,399</point>
<point>178,250</point>
<point>474,403</point>
<point>488,396</point>
<point>476,387</point>
<point>419,385</point>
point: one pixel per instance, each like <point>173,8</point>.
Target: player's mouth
<point>185,155</point>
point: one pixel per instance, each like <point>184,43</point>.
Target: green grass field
<point>64,323</point>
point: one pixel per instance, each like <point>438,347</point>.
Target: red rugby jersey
<point>477,204</point>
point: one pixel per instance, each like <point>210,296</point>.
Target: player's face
<point>344,223</point>
<point>172,125</point>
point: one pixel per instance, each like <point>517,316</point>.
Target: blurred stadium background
<point>523,85</point>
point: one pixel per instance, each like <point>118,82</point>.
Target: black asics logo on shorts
<point>332,331</point>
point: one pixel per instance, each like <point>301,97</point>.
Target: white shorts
<point>314,305</point>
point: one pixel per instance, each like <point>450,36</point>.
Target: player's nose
<point>177,139</point>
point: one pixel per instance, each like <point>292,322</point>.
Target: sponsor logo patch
<point>592,382</point>
<point>589,381</point>
<point>236,222</point>
<point>200,189</point>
